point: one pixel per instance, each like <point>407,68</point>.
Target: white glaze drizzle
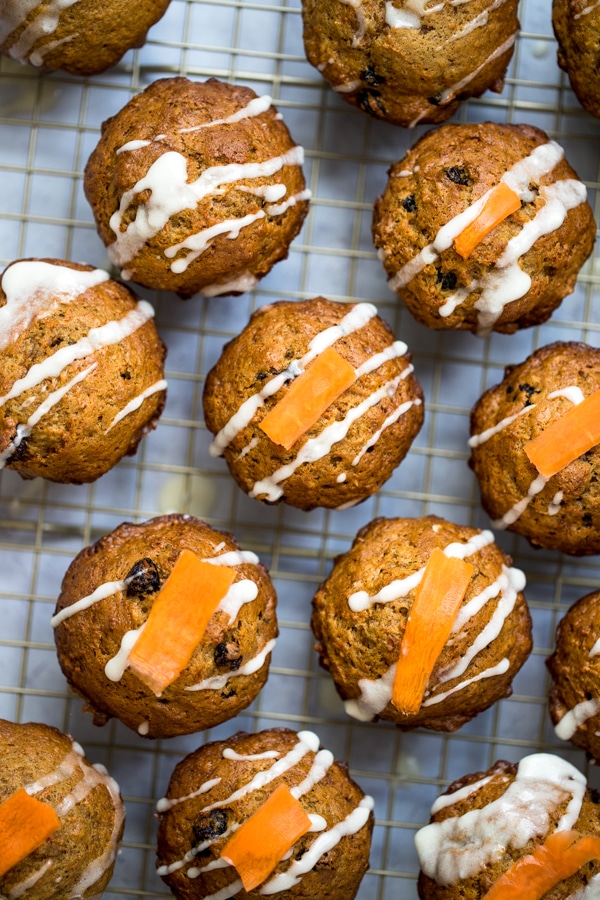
<point>449,94</point>
<point>477,440</point>
<point>499,669</point>
<point>356,318</point>
<point>478,22</point>
<point>595,649</point>
<point>587,10</point>
<point>278,209</point>
<point>166,803</point>
<point>228,753</point>
<point>116,665</point>
<point>570,722</point>
<point>401,587</point>
<point>134,404</point>
<point>200,241</point>
<point>103,336</point>
<point>171,193</point>
<point>247,449</point>
<point>391,419</point>
<point>460,847</point>
<point>269,192</point>
<point>23,886</point>
<point>143,728</point>
<point>360,20</point>
<point>462,793</point>
<point>554,505</point>
<point>34,289</point>
<point>590,891</point>
<point>348,86</point>
<point>240,284</point>
<point>217,682</point>
<point>44,23</point>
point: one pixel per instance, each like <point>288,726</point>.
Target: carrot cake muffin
<point>263,404</point>
<point>231,796</point>
<point>530,829</point>
<point>61,818</point>
<point>483,227</point>
<point>82,376</point>
<point>133,643</point>
<point>395,648</point>
<point>79,36</point>
<point>577,28</point>
<point>197,187</point>
<point>548,490</point>
<point>410,61</point>
<point>574,667</point>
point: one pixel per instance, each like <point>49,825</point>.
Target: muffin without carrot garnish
<point>576,25</point>
<point>535,448</point>
<point>483,227</point>
<point>82,376</point>
<point>422,622</point>
<point>261,814</point>
<point>410,61</point>
<point>197,187</point>
<point>79,36</point>
<point>574,667</point>
<point>314,403</point>
<point>530,829</point>
<point>61,818</point>
<point>167,626</point>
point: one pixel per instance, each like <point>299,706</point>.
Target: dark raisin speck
<point>209,826</point>
<point>226,695</point>
<point>143,578</point>
<point>587,520</point>
<point>370,76</point>
<point>409,203</point>
<point>509,389</point>
<point>529,390</point>
<point>371,102</point>
<point>261,376</point>
<point>458,175</point>
<point>19,452</point>
<point>228,655</point>
<point>435,100</point>
<point>126,376</point>
<point>447,280</point>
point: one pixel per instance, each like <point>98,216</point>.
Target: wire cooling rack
<point>48,126</point>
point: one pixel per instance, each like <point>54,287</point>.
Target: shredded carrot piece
<point>500,204</point>
<point>307,398</point>
<point>437,600</point>
<point>264,839</point>
<point>567,438</point>
<point>531,877</point>
<point>25,823</point>
<point>179,616</point>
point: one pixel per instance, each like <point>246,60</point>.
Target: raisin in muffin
<point>577,28</point>
<point>410,61</point>
<point>218,787</point>
<point>574,667</point>
<point>196,187</point>
<point>487,821</point>
<point>520,270</point>
<point>82,378</point>
<point>353,447</point>
<point>561,512</point>
<point>360,615</point>
<point>107,595</point>
<point>79,36</point>
<point>77,860</point>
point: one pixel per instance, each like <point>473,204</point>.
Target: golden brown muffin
<point>78,859</point>
<point>197,187</point>
<point>106,597</point>
<point>82,377</point>
<point>222,784</point>
<point>356,443</point>
<point>81,36</point>
<point>574,666</point>
<point>410,61</point>
<point>487,821</point>
<point>577,28</point>
<point>516,275</point>
<point>560,513</point>
<point>360,615</point>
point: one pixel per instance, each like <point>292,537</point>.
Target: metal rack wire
<point>48,127</point>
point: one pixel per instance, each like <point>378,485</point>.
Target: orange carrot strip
<point>307,398</point>
<point>178,619</point>
<point>264,839</point>
<point>500,204</point>
<point>531,877</point>
<point>567,438</point>
<point>437,599</point>
<point>25,823</point>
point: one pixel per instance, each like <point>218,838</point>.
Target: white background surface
<point>48,127</point>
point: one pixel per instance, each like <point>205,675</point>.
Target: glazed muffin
<point>80,36</point>
<point>406,63</point>
<point>449,270</point>
<point>561,512</point>
<point>197,187</point>
<point>78,858</point>
<point>353,446</point>
<point>106,600</point>
<point>574,667</point>
<point>577,27</point>
<point>82,378</point>
<point>220,786</point>
<point>487,822</point>
<point>361,614</point>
